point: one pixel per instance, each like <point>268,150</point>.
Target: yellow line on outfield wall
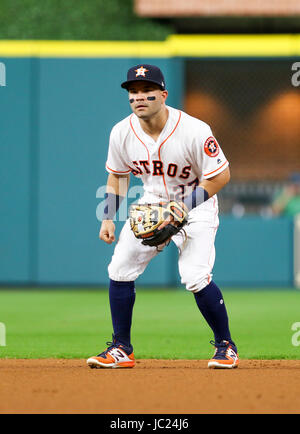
<point>174,45</point>
<point>10,48</point>
<point>236,45</point>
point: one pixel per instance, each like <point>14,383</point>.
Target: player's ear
<point>164,94</point>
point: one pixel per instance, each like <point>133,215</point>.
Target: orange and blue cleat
<point>225,357</point>
<point>115,356</point>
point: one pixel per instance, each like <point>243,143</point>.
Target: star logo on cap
<point>141,71</point>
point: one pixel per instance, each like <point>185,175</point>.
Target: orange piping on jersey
<point>179,117</point>
<point>206,174</point>
<point>139,138</point>
<point>115,171</point>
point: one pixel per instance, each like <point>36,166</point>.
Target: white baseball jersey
<point>185,153</point>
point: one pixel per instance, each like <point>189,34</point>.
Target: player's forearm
<point>116,190</point>
<point>117,184</point>
<point>215,184</point>
<point>206,189</point>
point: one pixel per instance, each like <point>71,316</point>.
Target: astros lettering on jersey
<point>185,153</point>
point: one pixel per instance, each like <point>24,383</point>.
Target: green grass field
<point>71,323</point>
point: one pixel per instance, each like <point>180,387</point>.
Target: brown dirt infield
<point>152,387</point>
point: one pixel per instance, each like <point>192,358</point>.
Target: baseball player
<point>182,168</point>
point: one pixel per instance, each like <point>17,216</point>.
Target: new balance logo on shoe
<point>231,353</point>
<point>117,354</point>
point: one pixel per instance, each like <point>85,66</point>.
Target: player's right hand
<point>107,231</point>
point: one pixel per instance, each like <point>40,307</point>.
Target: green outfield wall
<point>57,107</point>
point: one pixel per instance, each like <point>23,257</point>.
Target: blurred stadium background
<point>233,64</point>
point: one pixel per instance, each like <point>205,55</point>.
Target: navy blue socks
<point>121,298</point>
<point>211,304</point>
<point>209,301</point>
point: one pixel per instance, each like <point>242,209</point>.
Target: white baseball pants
<point>195,243</point>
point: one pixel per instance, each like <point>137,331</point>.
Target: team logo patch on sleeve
<point>211,147</point>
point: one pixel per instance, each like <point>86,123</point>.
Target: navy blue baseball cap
<point>144,72</point>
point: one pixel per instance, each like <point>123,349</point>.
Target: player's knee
<point>121,271</point>
<point>196,285</point>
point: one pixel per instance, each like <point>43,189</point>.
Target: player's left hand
<point>155,224</point>
<point>169,220</point>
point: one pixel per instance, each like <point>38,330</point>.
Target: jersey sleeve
<point>212,156</point>
<point>115,162</point>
